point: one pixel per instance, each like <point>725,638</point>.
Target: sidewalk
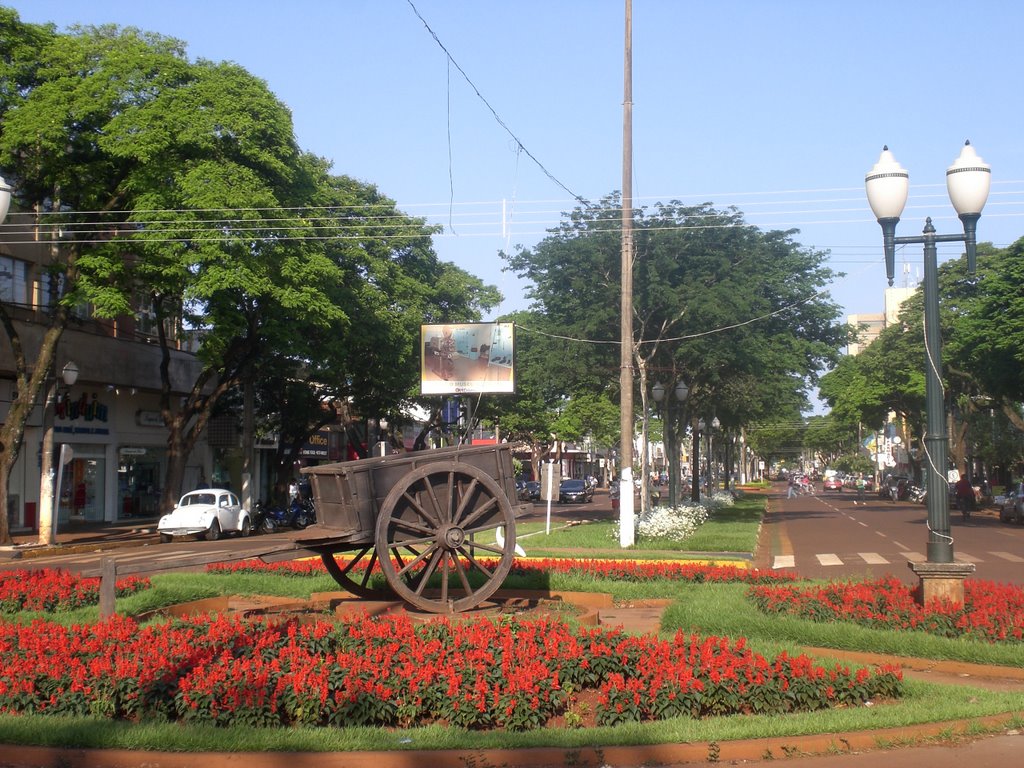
<point>82,537</point>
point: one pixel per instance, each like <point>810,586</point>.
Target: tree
<point>982,362</point>
<point>739,313</point>
<point>389,282</point>
<point>58,98</point>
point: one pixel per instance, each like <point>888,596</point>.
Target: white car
<point>207,512</point>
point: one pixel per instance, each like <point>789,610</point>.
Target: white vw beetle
<point>207,512</point>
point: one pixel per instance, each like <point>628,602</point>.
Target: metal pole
<point>940,544</point>
<point>47,508</point>
<point>626,517</point>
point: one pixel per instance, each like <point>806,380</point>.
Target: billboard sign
<point>470,358</point>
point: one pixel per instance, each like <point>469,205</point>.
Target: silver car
<point>1012,510</point>
<point>207,512</point>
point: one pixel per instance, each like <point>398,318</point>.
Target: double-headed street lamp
<point>671,447</point>
<point>967,182</point>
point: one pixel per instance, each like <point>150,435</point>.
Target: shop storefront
<point>115,462</point>
<point>140,472</point>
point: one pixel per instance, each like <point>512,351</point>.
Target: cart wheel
<point>441,519</point>
<point>358,584</point>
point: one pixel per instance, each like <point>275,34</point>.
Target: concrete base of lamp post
<point>941,581</point>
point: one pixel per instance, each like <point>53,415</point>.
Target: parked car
<point>207,512</point>
<point>832,483</point>
<point>1012,510</point>
<point>575,491</point>
<point>530,491</point>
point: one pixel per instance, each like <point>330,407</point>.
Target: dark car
<point>575,491</point>
<point>530,491</point>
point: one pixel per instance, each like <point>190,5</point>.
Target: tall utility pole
<point>626,325</point>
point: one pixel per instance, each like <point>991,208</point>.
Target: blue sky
<point>778,108</point>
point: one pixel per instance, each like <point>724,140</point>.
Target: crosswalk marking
<point>1008,556</point>
<point>872,558</point>
<point>831,559</point>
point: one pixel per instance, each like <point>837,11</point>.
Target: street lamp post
<point>49,487</point>
<point>967,183</point>
<point>671,447</point>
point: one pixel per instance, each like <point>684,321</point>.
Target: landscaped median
<point>728,666</point>
<point>330,684</point>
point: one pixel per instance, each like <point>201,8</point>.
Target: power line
<point>497,117</point>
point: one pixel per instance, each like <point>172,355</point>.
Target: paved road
<point>828,536</point>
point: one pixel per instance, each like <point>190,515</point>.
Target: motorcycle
<point>917,494</point>
<point>261,521</point>
<point>298,515</point>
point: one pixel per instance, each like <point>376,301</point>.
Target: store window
<point>83,487</point>
<point>139,477</point>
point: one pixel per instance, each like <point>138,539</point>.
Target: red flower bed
<point>625,570</point>
<point>387,671</point>
<point>991,612</point>
<point>56,590</point>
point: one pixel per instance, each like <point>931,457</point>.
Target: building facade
<point>107,425</point>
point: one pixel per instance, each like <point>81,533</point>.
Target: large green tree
<point>982,362</point>
<point>185,182</point>
<point>738,313</point>
<point>365,363</point>
<point>59,97</point>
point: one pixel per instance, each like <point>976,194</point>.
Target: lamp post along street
<point>49,485</point>
<point>967,182</point>
<point>681,392</point>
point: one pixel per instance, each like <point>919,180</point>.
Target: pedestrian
<point>792,487</point>
<point>964,495</point>
<point>861,484</point>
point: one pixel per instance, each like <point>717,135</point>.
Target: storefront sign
<point>315,447</point>
<point>149,419</point>
<point>83,408</point>
<point>131,451</point>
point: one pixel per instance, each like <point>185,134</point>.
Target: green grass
<point>710,609</point>
<point>924,703</point>
<point>730,529</point>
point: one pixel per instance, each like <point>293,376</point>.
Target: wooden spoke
<point>466,501</point>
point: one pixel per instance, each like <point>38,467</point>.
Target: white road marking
<point>829,559</point>
<point>963,557</point>
<point>1008,556</point>
<point>872,558</point>
<point>784,561</point>
<point>914,557</point>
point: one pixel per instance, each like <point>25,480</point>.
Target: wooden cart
<point>447,512</point>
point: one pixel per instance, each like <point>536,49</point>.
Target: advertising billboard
<point>458,358</point>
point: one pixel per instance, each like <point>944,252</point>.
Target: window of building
<point>14,283</point>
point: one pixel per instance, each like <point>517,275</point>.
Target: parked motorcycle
<point>298,515</point>
<point>261,521</point>
<point>917,494</point>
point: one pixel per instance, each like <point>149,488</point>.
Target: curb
<point>752,750</point>
<point>31,552</point>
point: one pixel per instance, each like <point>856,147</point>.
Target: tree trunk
<point>12,433</point>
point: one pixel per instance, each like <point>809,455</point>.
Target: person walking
<point>861,484</point>
<point>964,496</point>
<point>792,488</point>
